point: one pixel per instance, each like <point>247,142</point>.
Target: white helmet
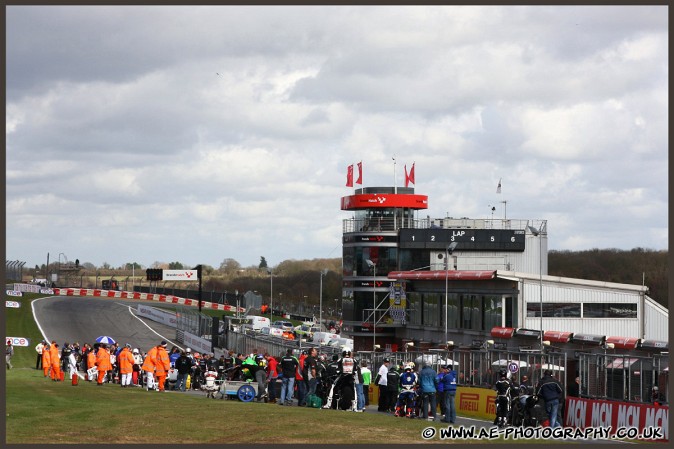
<point>409,366</point>
<point>188,350</point>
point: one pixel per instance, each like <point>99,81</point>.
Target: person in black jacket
<point>311,371</point>
<point>393,388</point>
<point>552,392</point>
<point>503,388</point>
<point>289,365</point>
<point>183,364</point>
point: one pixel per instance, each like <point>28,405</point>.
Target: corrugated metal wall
<point>629,327</point>
<point>656,321</point>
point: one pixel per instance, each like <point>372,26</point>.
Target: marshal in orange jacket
<point>91,359</point>
<point>148,363</point>
<point>125,361</point>
<point>46,360</point>
<point>103,360</point>
<point>55,361</point>
<point>161,361</point>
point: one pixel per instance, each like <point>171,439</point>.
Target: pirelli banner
<point>476,402</point>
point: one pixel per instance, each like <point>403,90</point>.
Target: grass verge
<point>41,411</point>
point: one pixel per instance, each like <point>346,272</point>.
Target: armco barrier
<point>143,296</point>
<point>582,413</point>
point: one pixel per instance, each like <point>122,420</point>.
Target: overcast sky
<point>195,134</point>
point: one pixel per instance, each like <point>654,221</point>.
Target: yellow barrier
<point>469,401</point>
<point>476,402</point>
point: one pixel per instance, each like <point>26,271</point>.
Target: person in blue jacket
<point>440,394</point>
<point>449,388</point>
<point>428,384</point>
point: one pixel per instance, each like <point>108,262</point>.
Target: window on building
<point>609,310</point>
<point>510,311</point>
<point>471,313</point>
<point>414,308</point>
<point>414,259</point>
<point>553,309</point>
<point>452,311</point>
<point>493,311</point>
<point>385,258</point>
<point>432,309</point>
<point>348,267</point>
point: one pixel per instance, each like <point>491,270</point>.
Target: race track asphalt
<point>82,319</point>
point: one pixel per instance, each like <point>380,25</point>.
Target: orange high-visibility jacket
<point>46,357</point>
<point>148,363</point>
<point>103,360</point>
<point>54,355</point>
<point>125,361</point>
<point>91,359</point>
<point>161,361</point>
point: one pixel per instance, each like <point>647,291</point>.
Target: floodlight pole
<point>449,250</point>
<point>320,300</point>
<point>538,233</point>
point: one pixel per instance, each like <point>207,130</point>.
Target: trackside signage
<point>179,275</point>
<point>157,315</point>
<point>14,293</point>
<point>194,342</point>
<point>12,304</point>
<point>583,413</point>
<point>17,341</point>
<point>476,402</point>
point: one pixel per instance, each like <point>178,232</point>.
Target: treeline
<point>635,266</point>
<point>294,281</point>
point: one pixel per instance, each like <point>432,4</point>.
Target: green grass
<point>39,410</point>
<point>42,411</point>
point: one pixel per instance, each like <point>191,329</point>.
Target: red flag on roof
<point>359,180</point>
<point>349,176</point>
<point>409,178</point>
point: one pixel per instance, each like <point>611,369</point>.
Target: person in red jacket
<point>299,381</point>
<point>161,365</point>
<point>125,362</point>
<point>272,375</point>
<point>102,363</point>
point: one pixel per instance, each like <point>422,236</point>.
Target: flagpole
<point>395,191</point>
<point>395,181</point>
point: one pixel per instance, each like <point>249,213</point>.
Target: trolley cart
<point>244,391</point>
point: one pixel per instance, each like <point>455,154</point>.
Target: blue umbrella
<point>105,339</point>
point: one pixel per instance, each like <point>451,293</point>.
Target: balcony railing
<point>382,224</point>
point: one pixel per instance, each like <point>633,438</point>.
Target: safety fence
<point>194,322</point>
<point>14,270</point>
<point>624,377</point>
<point>246,343</point>
<point>602,376</point>
<point>480,367</point>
